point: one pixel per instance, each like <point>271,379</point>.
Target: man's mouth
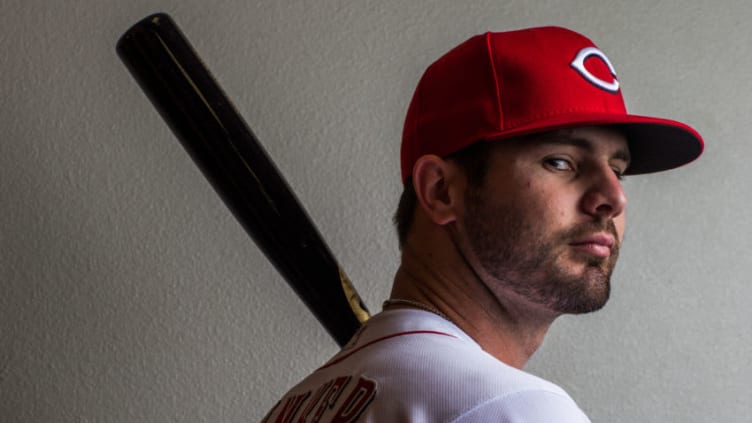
<point>598,244</point>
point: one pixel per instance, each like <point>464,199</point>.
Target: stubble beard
<point>522,257</point>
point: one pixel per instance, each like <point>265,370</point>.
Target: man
<point>513,214</point>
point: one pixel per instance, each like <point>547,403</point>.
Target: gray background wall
<point>129,293</point>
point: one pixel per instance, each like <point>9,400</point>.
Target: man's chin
<point>586,307</point>
<point>584,290</point>
<point>583,304</point>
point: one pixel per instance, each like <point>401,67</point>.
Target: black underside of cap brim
<point>656,147</point>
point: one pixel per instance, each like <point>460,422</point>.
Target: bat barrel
<point>219,141</point>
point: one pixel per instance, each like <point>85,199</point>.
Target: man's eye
<point>559,164</point>
<point>619,173</point>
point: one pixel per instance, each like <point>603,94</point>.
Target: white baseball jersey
<point>410,365</point>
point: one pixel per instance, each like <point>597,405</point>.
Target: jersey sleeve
<point>533,406</point>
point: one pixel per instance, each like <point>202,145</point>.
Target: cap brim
<point>654,144</point>
<point>659,144</point>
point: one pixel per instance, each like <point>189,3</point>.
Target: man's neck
<point>507,328</point>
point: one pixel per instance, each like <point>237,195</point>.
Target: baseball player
<point>513,151</point>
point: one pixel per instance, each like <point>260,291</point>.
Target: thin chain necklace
<point>426,307</point>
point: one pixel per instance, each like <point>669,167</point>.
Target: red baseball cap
<point>507,84</point>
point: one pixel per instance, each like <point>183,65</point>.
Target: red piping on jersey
<point>415,332</point>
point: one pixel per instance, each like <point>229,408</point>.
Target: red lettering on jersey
<point>314,401</point>
<point>320,406</point>
<point>291,407</point>
<point>357,402</point>
<point>331,396</point>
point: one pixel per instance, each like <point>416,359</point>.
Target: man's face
<point>548,220</point>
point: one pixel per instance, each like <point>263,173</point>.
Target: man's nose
<point>605,197</point>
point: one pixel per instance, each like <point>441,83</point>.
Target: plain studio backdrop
<point>128,292</point>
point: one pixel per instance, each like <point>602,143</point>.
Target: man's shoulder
<point>414,366</point>
<point>418,352</point>
<point>528,406</point>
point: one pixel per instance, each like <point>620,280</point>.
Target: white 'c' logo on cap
<point>579,65</point>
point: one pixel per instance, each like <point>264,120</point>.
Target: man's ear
<point>438,187</point>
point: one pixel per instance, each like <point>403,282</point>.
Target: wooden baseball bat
<point>194,106</point>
